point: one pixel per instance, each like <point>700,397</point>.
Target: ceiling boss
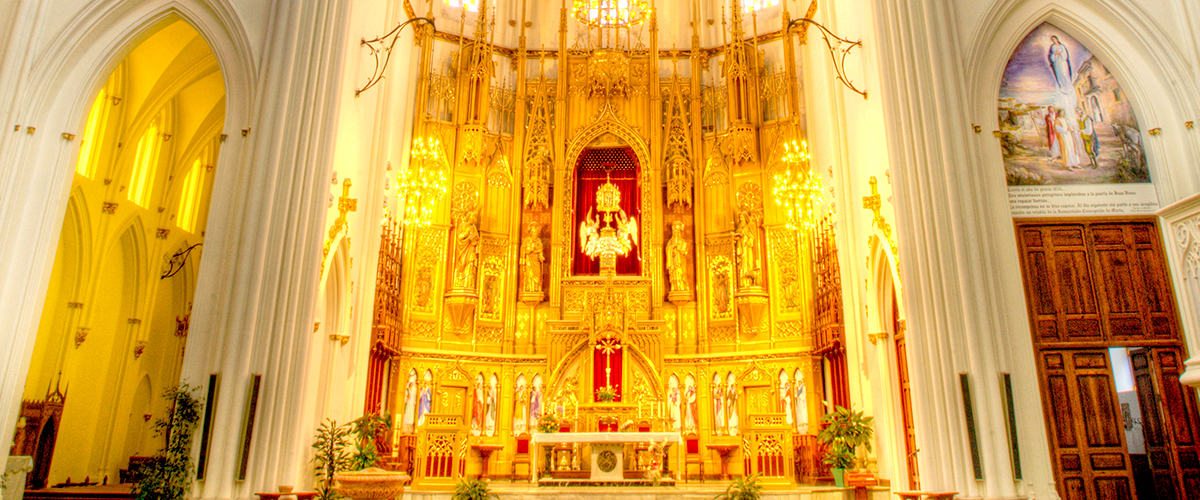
<point>604,240</point>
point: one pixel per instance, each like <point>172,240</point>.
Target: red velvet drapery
<point>621,166</point>
<point>602,360</point>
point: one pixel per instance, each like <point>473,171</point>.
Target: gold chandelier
<point>423,184</point>
<point>610,13</point>
<point>798,188</point>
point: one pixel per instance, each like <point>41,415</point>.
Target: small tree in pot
<point>845,431</point>
<point>168,476</point>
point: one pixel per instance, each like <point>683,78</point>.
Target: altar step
<point>681,491</point>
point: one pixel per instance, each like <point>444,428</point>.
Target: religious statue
<point>424,285</point>
<point>425,403</point>
<point>521,408</point>
<point>677,257</point>
<point>674,407</point>
<point>410,404</point>
<point>535,402</point>
<point>532,257</point>
<point>749,264</point>
<point>478,407</point>
<point>731,408</point>
<point>690,407</point>
<point>718,399</point>
<point>466,237</point>
<point>489,421</point>
<point>721,292</point>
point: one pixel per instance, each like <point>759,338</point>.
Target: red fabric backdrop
<point>599,360</point>
<point>590,172</point>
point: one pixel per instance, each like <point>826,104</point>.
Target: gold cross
<point>874,204</point>
<point>346,204</point>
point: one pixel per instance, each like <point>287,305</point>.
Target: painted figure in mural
<point>801,402</point>
<point>673,405</point>
<point>785,396</point>
<point>410,404</point>
<point>1091,139</point>
<point>718,398</point>
<point>1060,65</point>
<point>535,401</point>
<point>1066,140</point>
<point>532,257</point>
<point>677,257</point>
<point>691,408</point>
<point>731,405</point>
<point>478,407</point>
<point>466,238</point>
<point>1051,135</point>
<point>425,403</point>
<point>489,424</point>
<point>521,408</point>
<point>749,266</point>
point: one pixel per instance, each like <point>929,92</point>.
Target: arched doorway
<point>117,309</point>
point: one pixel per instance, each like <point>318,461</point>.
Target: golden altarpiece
<point>606,217</point>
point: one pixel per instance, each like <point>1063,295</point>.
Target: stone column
<point>255,314</point>
<point>954,307</point>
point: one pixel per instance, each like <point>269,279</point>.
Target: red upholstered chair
<point>522,457</point>
<point>641,451</point>
<point>692,456</point>
<point>607,424</point>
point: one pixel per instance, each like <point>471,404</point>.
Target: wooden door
<point>1086,427</point>
<point>910,434</point>
<point>1168,423</point>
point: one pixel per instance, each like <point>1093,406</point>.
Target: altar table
<point>600,439</point>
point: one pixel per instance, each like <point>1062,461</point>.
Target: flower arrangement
<point>548,423</point>
<point>606,394</point>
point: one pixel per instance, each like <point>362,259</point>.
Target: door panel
<point>1089,440</point>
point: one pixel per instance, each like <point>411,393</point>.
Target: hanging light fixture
<point>798,188</point>
<point>423,183</point>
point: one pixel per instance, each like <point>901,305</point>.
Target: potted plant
<point>362,480</point>
<point>473,488</point>
<point>845,431</point>
<point>742,488</point>
<point>548,423</point>
<point>168,476</point>
<point>331,456</point>
<point>606,394</point>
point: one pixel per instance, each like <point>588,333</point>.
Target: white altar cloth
<point>547,438</point>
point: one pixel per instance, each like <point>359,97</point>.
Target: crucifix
<point>608,346</point>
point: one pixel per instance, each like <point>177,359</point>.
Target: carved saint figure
<point>489,422</point>
<point>677,257</point>
<point>478,407</point>
<point>532,257</point>
<point>721,294</point>
<point>690,405</point>
<point>521,407</point>
<point>749,266</point>
<point>410,404</point>
<point>424,285</point>
<point>466,237</point>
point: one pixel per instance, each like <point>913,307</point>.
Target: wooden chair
<point>522,457</point>
<point>692,456</point>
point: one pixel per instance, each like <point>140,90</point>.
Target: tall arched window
<point>92,133</point>
<point>189,197</point>
<point>142,179</point>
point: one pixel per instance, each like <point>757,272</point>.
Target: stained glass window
<point>758,4</point>
<point>470,5</point>
<point>92,133</point>
<point>144,165</point>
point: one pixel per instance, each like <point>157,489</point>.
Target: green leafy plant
<point>331,456</point>
<point>548,423</point>
<point>168,475</point>
<point>606,394</point>
<point>363,430</point>
<point>742,488</point>
<point>845,431</point>
<point>473,488</point>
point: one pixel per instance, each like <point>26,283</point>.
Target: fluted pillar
<point>256,318</point>
<point>946,257</point>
